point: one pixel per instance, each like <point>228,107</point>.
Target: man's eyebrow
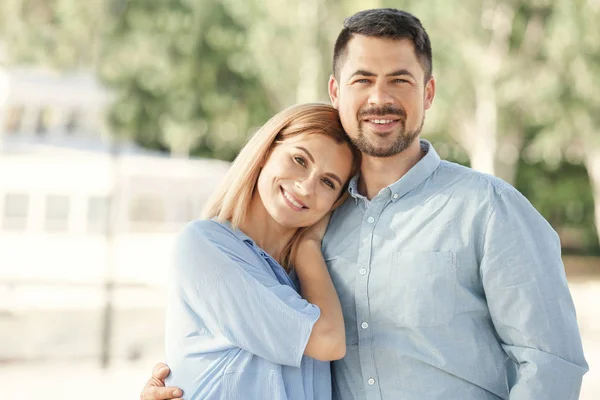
<point>362,72</point>
<point>399,72</point>
<point>329,174</point>
<point>402,72</point>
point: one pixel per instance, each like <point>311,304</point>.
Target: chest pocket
<point>422,288</point>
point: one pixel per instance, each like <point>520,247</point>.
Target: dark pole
<point>114,9</point>
<point>112,220</point>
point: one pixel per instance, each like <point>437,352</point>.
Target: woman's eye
<point>300,161</point>
<point>329,183</point>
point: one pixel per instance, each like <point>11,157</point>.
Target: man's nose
<point>380,96</point>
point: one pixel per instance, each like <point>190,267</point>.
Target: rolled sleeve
<point>242,302</point>
<point>529,301</point>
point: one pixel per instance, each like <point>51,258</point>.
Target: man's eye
<point>361,81</point>
<point>300,161</point>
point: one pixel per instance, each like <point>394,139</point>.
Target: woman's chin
<point>292,223</point>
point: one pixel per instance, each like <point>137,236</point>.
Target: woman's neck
<point>266,233</point>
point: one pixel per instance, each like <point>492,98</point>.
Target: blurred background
<point>118,118</point>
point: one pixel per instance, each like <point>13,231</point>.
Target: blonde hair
<point>231,200</point>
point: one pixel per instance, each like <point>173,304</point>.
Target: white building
<point>58,244</point>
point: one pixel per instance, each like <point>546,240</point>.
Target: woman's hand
<point>317,231</point>
<point>328,339</point>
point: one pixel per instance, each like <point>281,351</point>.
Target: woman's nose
<point>306,186</point>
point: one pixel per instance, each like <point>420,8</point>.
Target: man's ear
<point>429,92</point>
<point>334,91</point>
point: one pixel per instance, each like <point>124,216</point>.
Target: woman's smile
<point>292,201</point>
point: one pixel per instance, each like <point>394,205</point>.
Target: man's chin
<point>383,150</point>
<point>381,134</point>
<point>378,151</point>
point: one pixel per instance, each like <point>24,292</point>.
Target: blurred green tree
<point>288,41</point>
<point>515,79</point>
<point>568,115</point>
<point>63,34</point>
<point>183,76</point>
<point>486,59</point>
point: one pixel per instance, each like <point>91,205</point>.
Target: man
<point>452,285</point>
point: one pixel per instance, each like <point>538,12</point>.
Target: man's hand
<point>155,387</point>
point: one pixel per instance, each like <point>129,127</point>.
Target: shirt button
<point>362,271</point>
<point>371,381</point>
<point>371,220</point>
<point>395,195</point>
<point>364,325</point>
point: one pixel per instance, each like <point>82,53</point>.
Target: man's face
<point>381,94</point>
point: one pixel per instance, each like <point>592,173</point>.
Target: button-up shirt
<point>236,325</point>
<point>452,288</point>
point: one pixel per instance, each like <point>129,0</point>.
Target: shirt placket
<point>361,296</point>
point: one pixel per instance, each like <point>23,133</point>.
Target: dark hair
<point>386,23</point>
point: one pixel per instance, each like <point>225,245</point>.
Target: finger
<point>161,393</point>
<point>160,371</point>
<point>154,382</point>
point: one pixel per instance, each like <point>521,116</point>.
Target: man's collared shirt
<point>452,287</point>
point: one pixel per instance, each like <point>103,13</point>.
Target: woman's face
<point>302,178</point>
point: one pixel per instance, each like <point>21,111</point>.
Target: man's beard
<point>403,140</point>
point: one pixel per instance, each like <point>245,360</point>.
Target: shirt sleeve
<point>239,301</point>
<point>530,303</point>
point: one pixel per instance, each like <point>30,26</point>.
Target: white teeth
<point>291,200</point>
<point>382,121</point>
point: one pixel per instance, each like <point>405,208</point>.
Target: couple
<point>450,284</point>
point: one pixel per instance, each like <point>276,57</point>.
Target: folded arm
<point>238,299</point>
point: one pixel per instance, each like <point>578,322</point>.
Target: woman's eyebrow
<point>312,159</point>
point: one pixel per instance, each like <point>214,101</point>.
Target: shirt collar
<point>275,266</point>
<point>353,188</point>
<point>414,177</point>
<point>239,234</point>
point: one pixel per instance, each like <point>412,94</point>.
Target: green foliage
<point>182,78</point>
<point>562,194</point>
<point>198,76</point>
<point>61,33</point>
<point>572,49</point>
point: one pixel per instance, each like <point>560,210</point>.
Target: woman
<point>237,328</point>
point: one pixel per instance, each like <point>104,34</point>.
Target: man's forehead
<point>380,53</point>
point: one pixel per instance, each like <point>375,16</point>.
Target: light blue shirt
<point>452,288</point>
<point>236,326</point>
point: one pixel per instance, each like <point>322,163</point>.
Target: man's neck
<point>377,173</point>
